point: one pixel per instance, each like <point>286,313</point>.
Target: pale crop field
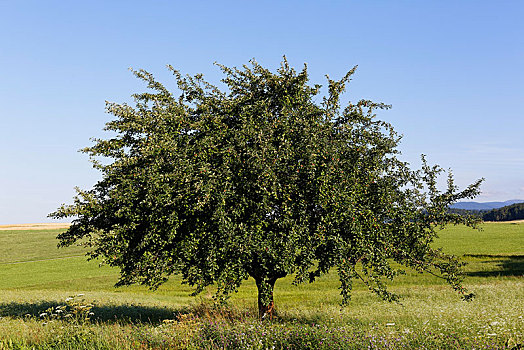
<point>37,280</point>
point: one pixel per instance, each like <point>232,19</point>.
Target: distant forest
<point>507,213</point>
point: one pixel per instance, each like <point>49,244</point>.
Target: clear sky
<point>453,71</point>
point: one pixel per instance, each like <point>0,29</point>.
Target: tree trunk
<point>266,306</point>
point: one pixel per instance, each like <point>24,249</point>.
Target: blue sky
<point>453,71</point>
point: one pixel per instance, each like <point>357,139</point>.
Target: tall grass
<point>429,316</point>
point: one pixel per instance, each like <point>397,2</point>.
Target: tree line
<point>507,213</point>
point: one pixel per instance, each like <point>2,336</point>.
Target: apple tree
<point>263,177</point>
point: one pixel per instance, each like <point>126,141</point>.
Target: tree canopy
<point>263,178</point>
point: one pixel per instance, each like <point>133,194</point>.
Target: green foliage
<point>507,213</point>
<point>259,180</point>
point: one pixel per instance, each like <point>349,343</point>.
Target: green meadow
<point>37,280</point>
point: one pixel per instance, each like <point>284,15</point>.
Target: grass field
<point>36,276</point>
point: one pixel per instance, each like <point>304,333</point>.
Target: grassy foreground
<point>40,305</point>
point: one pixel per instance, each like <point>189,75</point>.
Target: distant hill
<point>484,206</point>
